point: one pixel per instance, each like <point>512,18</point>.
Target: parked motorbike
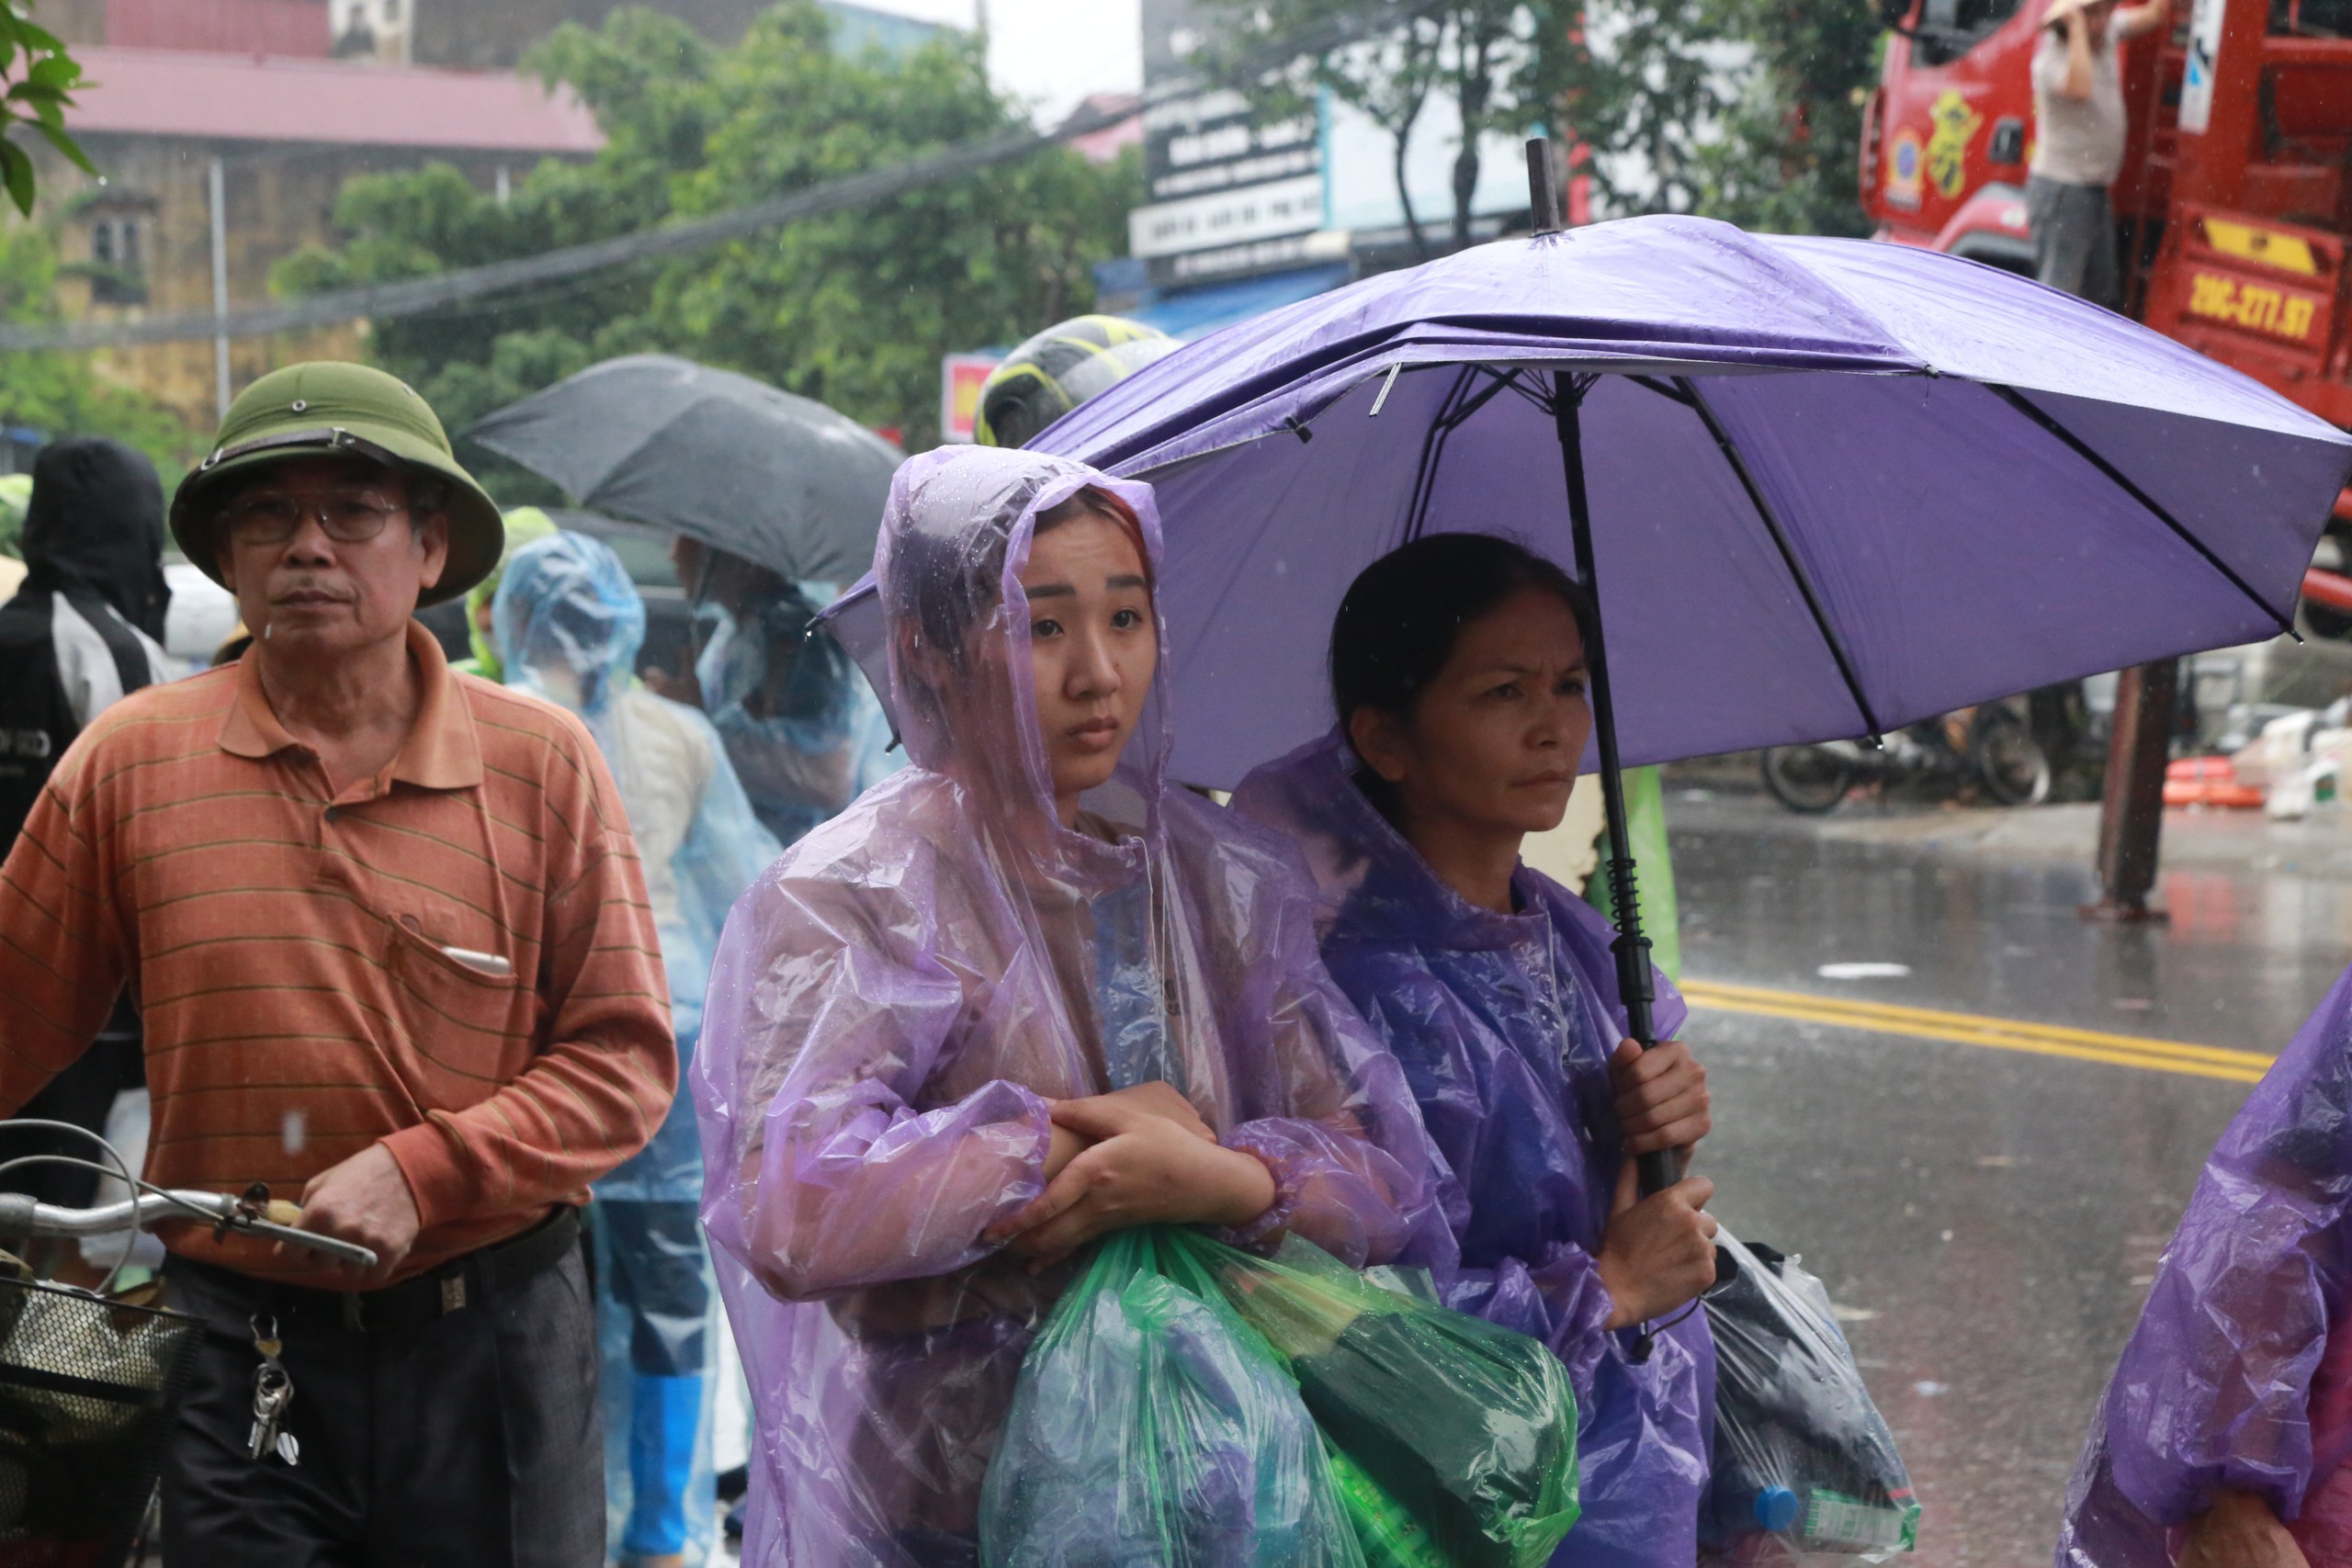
<point>1991,746</point>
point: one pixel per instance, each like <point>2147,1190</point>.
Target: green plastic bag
<point>1469,1428</point>
<point>1388,1533</point>
<point>1153,1428</point>
<point>1163,1418</point>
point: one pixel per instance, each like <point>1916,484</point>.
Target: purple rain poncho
<point>893,1002</point>
<point>1505,1024</point>
<point>2234,1378</point>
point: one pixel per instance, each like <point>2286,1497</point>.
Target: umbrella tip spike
<point>1543,187</point>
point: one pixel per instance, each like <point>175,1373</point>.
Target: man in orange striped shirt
<point>388,930</point>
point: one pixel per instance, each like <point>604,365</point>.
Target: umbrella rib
<point>1432,447</point>
<point>1788,552</point>
<point>2123,482</point>
<point>1671,394</point>
<point>1450,418</point>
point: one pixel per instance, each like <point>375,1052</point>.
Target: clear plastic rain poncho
<point>787,704</point>
<point>2239,1375</point>
<point>894,1004</point>
<point>569,623</point>
<point>1505,1024</point>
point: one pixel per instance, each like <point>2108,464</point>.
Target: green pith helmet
<point>325,409</point>
<point>1060,369</point>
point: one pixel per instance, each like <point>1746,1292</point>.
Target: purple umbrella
<point>1819,488</point>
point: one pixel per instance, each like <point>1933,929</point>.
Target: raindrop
<point>294,1131</point>
<point>1931,1390</point>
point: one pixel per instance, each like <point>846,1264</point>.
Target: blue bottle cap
<point>1776,1509</point>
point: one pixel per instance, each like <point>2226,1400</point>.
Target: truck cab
<point>2234,202</point>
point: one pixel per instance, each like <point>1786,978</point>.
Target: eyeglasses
<point>346,516</point>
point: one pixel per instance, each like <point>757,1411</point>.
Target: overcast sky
<point>1050,52</point>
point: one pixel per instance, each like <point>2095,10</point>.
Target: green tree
<point>58,393</point>
<point>1743,109</point>
<point>1384,59</point>
<point>1787,160</point>
<point>40,77</point>
<point>853,308</point>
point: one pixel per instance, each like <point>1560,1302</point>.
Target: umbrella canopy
<point>1817,489</point>
<point>1835,486</point>
<point>776,478</point>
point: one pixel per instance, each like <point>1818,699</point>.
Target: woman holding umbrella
<point>1019,995</point>
<point>1458,670</point>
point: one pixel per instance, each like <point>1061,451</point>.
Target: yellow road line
<point>1975,1029</point>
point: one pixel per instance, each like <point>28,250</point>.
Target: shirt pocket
<point>469,1031</point>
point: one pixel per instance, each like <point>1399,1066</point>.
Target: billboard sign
<point>961,376</point>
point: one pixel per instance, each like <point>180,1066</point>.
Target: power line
<point>384,301</point>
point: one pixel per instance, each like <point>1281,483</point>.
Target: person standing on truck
<point>2078,138</point>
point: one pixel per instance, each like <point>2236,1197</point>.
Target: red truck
<point>2235,199</point>
<point>2234,213</point>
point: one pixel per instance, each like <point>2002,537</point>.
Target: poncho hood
<point>956,537</point>
<point>95,523</point>
<point>565,602</point>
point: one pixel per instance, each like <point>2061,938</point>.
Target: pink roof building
<point>265,97</point>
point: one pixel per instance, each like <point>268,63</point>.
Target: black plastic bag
<point>1804,1464</point>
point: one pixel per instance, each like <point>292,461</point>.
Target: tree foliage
<point>853,308</point>
<point>1744,109</point>
<point>1787,160</point>
<point>58,393</point>
<point>40,78</point>
<point>1384,59</point>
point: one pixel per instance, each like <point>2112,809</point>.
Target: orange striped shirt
<point>288,948</point>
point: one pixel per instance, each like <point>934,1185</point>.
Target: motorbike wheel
<point>1809,780</point>
<point>2009,760</point>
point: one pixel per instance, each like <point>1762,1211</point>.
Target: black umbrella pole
<point>1635,987</point>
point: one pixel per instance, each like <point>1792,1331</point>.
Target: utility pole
<point>220,288</point>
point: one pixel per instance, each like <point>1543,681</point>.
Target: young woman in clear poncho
<point>2225,1438</point>
<point>1019,995</point>
<point>1457,667</point>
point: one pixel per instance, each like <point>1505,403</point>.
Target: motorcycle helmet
<point>1060,369</point>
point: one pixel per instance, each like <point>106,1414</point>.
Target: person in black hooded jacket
<point>86,628</point>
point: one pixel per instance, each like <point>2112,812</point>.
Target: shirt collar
<point>441,752</point>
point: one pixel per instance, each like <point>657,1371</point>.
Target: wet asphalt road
<point>1987,1220</point>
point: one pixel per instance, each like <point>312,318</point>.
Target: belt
<point>471,1281</point>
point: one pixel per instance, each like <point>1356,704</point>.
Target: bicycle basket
<point>88,1388</point>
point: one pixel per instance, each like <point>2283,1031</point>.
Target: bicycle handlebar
<point>20,1215</point>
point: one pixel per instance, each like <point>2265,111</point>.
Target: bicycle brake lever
<point>333,1246</point>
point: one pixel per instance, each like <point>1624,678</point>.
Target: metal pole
<point>220,290</point>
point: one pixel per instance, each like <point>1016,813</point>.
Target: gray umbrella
<point>759,473</point>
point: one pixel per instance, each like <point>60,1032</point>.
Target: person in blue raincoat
<point>805,734</point>
<point>1457,667</point>
<point>569,624</point>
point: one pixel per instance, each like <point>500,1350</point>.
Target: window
<point>118,265</point>
<point>1949,28</point>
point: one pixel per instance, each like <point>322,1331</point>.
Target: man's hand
<point>364,1199</point>
<point>1144,1166</point>
<point>2240,1532</point>
<point>1658,1252</point>
<point>1661,1097</point>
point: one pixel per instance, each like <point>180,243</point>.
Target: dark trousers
<point>472,1438</point>
<point>2074,240</point>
